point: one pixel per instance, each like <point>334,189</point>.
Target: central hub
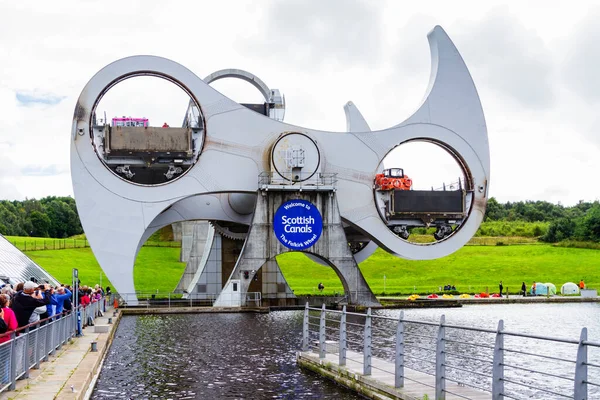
<point>295,157</point>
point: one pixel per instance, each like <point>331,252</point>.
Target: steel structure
<point>119,213</point>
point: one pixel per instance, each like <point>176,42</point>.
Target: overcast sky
<point>535,68</point>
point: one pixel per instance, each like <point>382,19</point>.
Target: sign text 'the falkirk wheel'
<point>298,224</point>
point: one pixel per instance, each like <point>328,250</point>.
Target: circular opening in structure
<point>295,157</point>
<point>422,192</point>
<point>147,130</point>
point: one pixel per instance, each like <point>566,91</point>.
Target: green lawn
<point>156,268</point>
<point>470,269</point>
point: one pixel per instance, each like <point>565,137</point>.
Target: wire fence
<point>25,244</point>
<point>61,244</point>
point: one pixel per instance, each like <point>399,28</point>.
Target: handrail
<point>422,349</point>
<point>40,321</point>
<point>45,337</point>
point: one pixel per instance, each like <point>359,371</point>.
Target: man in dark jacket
<point>26,301</point>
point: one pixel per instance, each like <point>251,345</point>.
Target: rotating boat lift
<point>179,182</point>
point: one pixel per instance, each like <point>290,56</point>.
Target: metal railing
<point>297,179</point>
<point>254,298</point>
<point>174,300</point>
<point>166,300</point>
<point>30,345</point>
<point>456,185</point>
<point>506,364</point>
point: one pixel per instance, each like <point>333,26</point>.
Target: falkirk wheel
<point>288,188</point>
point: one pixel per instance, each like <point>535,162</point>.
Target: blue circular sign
<point>298,224</point>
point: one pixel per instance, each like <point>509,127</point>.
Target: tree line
<point>57,217</point>
<point>51,216</point>
<point>578,222</point>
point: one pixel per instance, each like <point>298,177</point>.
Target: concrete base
<point>101,328</point>
<point>262,246</point>
<point>589,293</point>
<point>380,383</point>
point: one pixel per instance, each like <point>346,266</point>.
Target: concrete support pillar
<point>262,245</point>
<point>198,238</point>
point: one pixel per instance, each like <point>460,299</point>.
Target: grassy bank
<point>471,269</point>
<point>156,268</point>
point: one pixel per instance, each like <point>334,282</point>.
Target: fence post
<point>343,344</point>
<point>36,348</point>
<point>581,370</point>
<point>13,361</point>
<point>305,329</point>
<point>498,364</point>
<point>399,379</point>
<point>47,334</point>
<point>440,362</point>
<point>322,333</point>
<point>169,299</point>
<point>52,326</point>
<point>59,328</point>
<point>367,345</point>
<point>26,352</point>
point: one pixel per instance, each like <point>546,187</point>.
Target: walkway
<point>380,384</point>
<point>69,373</point>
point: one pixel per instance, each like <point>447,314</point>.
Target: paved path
<point>68,374</point>
<point>417,385</point>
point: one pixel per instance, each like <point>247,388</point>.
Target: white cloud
<point>510,58</point>
<point>534,67</point>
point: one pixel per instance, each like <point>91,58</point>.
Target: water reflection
<point>209,356</point>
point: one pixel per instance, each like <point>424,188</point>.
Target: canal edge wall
<point>192,310</point>
<point>89,367</point>
<point>364,385</point>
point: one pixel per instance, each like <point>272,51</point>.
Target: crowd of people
<point>28,303</point>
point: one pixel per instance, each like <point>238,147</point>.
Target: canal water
<point>210,356</point>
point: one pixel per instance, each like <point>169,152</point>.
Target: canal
<point>195,356</point>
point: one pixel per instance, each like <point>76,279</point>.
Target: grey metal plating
<point>118,217</point>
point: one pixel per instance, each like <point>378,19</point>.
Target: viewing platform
<point>61,365</point>
<point>380,382</point>
<point>382,357</point>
